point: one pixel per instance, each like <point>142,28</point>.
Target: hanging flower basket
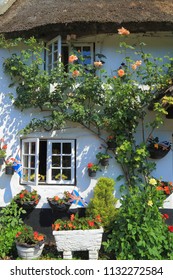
<point>92,173</point>
<point>9,170</point>
<point>92,169</point>
<point>27,200</point>
<point>156,149</point>
<point>1,161</point>
<point>157,154</point>
<point>59,204</point>
<point>61,207</point>
<point>111,142</point>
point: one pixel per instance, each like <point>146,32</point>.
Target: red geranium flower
<point>90,164</point>
<point>91,223</point>
<point>165,216</point>
<point>170,228</point>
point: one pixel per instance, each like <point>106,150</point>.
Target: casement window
<point>60,52</point>
<point>47,161</point>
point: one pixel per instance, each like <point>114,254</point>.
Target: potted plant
<point>111,142</point>
<point>9,170</point>
<point>3,148</point>
<point>29,243</point>
<point>59,204</point>
<point>156,149</point>
<point>166,187</point>
<point>27,199</point>
<point>103,158</point>
<point>92,169</point>
<point>78,234</point>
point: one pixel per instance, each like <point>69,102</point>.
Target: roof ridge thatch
<point>99,15</point>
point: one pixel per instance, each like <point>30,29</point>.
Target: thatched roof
<point>40,17</point>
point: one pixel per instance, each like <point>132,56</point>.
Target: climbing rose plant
<point>118,104</point>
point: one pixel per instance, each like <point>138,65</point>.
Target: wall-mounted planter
<point>111,145</point>
<point>9,170</point>
<point>68,241</point>
<point>104,161</point>
<point>61,207</point>
<point>157,153</point>
<point>1,161</point>
<point>92,173</point>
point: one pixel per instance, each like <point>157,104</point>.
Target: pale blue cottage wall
<point>88,144</point>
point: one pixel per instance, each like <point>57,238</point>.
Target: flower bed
<point>78,234</point>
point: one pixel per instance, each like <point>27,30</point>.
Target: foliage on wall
<point>118,104</point>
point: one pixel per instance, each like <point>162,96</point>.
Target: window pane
<point>33,161</point>
<point>66,161</point>
<point>66,148</point>
<point>25,174</point>
<point>25,161</point>
<point>55,46</point>
<point>56,174</point>
<point>55,56</point>
<point>32,147</point>
<point>67,174</point>
<point>56,148</point>
<point>32,176</point>
<point>87,55</point>
<point>50,59</point>
<point>56,161</point>
<point>26,148</point>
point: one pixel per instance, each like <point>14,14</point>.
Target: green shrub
<point>103,202</point>
<point>139,231</point>
<point>10,224</point>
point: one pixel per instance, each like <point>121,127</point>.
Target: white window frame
<point>51,44</point>
<point>48,181</point>
<point>59,43</point>
<point>83,44</point>
<point>49,162</point>
<point>29,168</point>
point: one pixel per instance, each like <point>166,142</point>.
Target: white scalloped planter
<point>68,241</point>
<point>29,253</point>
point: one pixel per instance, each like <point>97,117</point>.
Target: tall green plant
<point>139,231</point>
<point>103,202</point>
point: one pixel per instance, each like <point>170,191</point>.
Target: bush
<point>139,231</point>
<point>103,202</point>
<point>10,224</point>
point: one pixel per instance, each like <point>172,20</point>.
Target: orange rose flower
<point>134,66</point>
<point>98,64</point>
<point>75,73</point>
<point>72,58</point>
<point>138,62</point>
<point>123,31</point>
<point>121,73</point>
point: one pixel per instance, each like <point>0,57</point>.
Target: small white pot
<point>29,253</point>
